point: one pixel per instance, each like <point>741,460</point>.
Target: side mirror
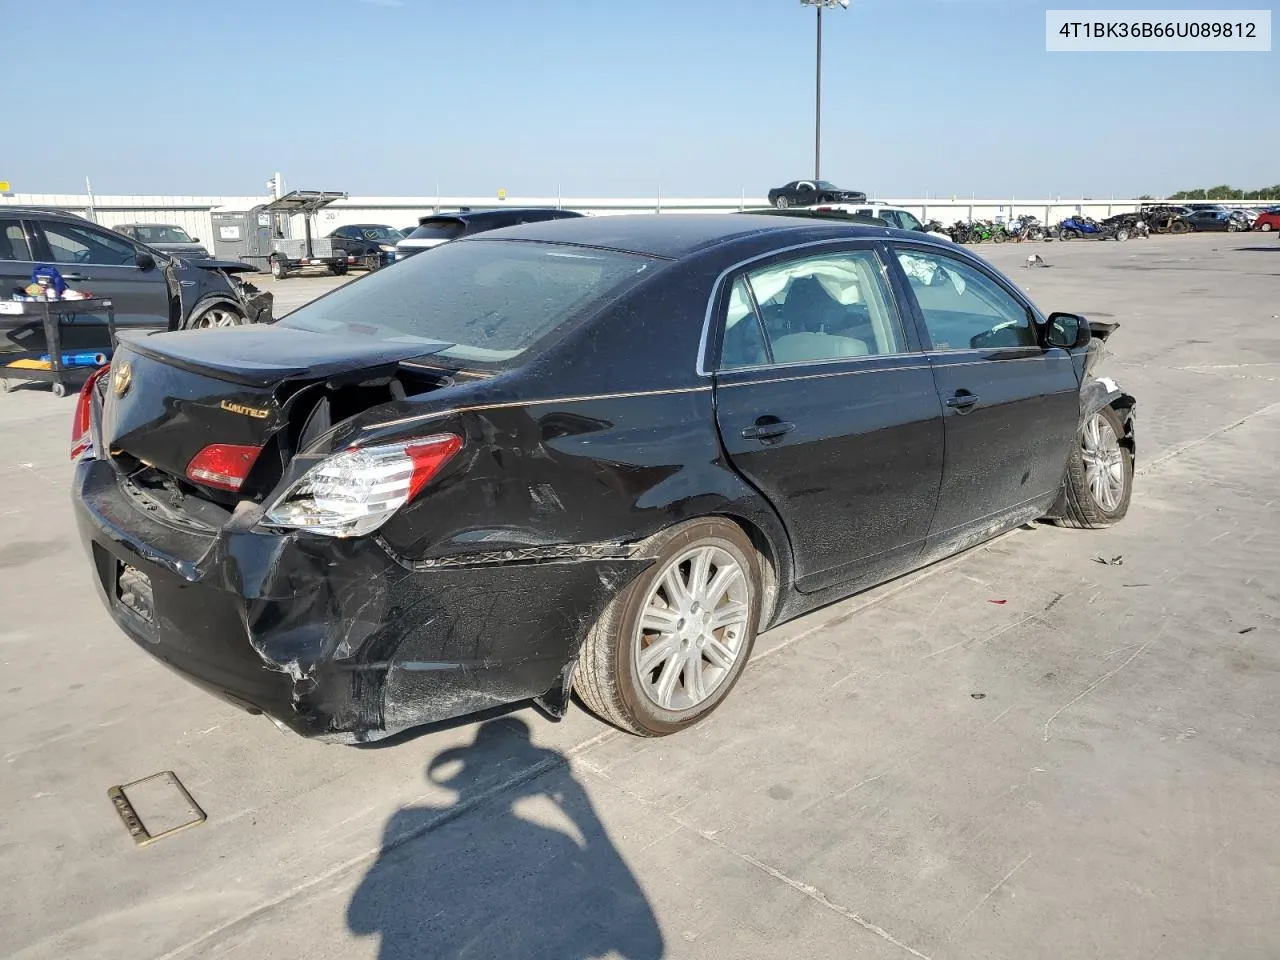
<point>195,239</point>
<point>1067,330</point>
<point>145,261</point>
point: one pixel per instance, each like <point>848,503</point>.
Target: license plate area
<point>133,592</point>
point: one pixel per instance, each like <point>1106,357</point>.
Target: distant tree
<point>1225,192</point>
<point>1146,196</point>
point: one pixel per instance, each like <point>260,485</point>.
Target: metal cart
<point>50,365</point>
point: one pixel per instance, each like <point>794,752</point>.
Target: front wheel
<point>278,269</point>
<point>667,650</point>
<point>1122,234</point>
<point>1099,479</point>
<point>781,203</point>
<point>1265,228</point>
<point>218,315</point>
<point>999,236</point>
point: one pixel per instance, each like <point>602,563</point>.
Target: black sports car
<point>804,193</point>
<point>595,454</point>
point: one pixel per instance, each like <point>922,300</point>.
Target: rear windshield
<point>438,230</point>
<point>486,301</point>
<point>380,233</point>
<point>161,234</point>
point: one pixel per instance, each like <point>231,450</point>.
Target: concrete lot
<point>1090,768</point>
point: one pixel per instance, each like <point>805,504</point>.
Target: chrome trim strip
<point>973,363</point>
<point>729,371</point>
<point>507,404</point>
<point>816,376</point>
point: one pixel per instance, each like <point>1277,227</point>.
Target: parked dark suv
<point>150,289</point>
<point>367,245</point>
<point>443,227</point>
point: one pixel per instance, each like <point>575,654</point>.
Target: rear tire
<point>1122,234</point>
<point>278,269</point>
<point>59,389</point>
<point>1099,480</point>
<point>667,650</point>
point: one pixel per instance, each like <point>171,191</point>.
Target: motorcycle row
<point>1121,226</point>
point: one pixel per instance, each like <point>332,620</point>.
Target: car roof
<point>149,225</point>
<point>42,211</point>
<point>497,213</point>
<point>678,235</point>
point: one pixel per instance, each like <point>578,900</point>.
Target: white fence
<point>192,213</point>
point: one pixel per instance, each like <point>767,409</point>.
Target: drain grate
<point>155,807</point>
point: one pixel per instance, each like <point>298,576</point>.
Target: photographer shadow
<point>477,879</point>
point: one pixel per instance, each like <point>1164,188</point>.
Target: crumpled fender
<point>1102,392</point>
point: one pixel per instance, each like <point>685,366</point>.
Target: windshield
<point>827,185</point>
<point>445,229</point>
<point>380,233</point>
<point>489,300</point>
<point>162,234</point>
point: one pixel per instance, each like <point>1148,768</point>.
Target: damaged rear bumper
<point>338,638</point>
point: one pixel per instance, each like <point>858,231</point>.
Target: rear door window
<point>13,241</point>
<point>830,307</point>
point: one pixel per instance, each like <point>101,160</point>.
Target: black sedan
<point>1204,221</point>
<point>805,193</point>
<point>596,454</point>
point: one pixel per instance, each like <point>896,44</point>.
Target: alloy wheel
<point>1103,462</point>
<point>692,628</point>
<point>216,317</point>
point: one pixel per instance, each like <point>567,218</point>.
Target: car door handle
<point>767,428</point>
<point>962,402</point>
<point>78,277</point>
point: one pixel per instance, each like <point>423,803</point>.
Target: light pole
<point>817,89</point>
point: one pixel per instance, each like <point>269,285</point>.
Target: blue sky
<point>615,98</point>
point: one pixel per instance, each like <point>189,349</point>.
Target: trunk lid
<point>171,395</point>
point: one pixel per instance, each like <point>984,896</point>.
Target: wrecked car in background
<point>151,290</point>
<point>590,454</point>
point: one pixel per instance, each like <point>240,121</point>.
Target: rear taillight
<point>356,491</point>
<point>222,465</point>
<point>82,422</point>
